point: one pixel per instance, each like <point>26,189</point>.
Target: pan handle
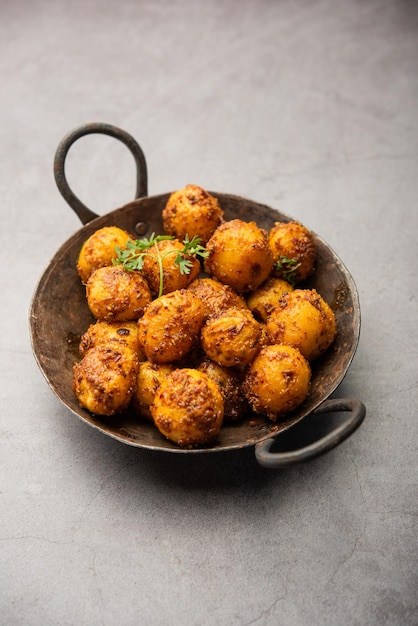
<point>86,215</point>
<point>276,460</point>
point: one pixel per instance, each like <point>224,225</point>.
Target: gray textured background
<point>309,107</point>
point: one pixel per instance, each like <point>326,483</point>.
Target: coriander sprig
<point>132,256</point>
<point>287,268</point>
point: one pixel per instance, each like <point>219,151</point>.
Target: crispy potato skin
<point>304,320</point>
<point>171,325</point>
<point>277,381</point>
<point>104,380</point>
<point>116,294</point>
<point>262,301</point>
<point>216,296</point>
<point>99,250</point>
<point>229,381</point>
<point>188,408</point>
<point>209,349</point>
<point>149,378</point>
<point>293,241</point>
<point>173,279</point>
<point>192,211</point>
<point>232,338</point>
<point>125,333</point>
<point>239,255</point>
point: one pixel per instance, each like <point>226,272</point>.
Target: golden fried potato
<point>263,300</point>
<point>215,296</point>
<point>304,320</point>
<point>150,376</point>
<point>173,278</point>
<point>99,250</point>
<point>171,325</point>
<point>277,381</point>
<point>229,381</point>
<point>239,255</point>
<point>232,338</point>
<point>116,294</point>
<point>125,333</point>
<point>293,246</point>
<point>188,408</point>
<point>192,211</point>
<point>104,380</point>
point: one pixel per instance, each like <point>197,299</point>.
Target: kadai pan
<point>59,315</point>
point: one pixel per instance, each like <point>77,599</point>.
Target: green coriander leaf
<point>287,268</point>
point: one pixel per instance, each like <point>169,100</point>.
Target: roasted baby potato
<point>239,255</point>
<point>150,376</point>
<point>232,338</point>
<point>215,296</point>
<point>263,300</point>
<point>173,278</point>
<point>192,211</point>
<point>125,333</point>
<point>294,251</point>
<point>277,381</point>
<point>188,408</point>
<point>99,250</point>
<point>116,294</point>
<point>105,378</point>
<point>229,381</point>
<point>171,325</point>
<point>304,320</point>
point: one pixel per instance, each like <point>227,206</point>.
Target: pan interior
<point>59,315</point>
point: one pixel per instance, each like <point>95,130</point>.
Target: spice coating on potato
<point>229,381</point>
<point>292,241</point>
<point>277,381</point>
<point>99,250</point>
<point>216,296</point>
<point>188,408</point>
<point>125,333</point>
<point>239,255</point>
<point>116,294</point>
<point>172,277</point>
<point>149,378</point>
<point>263,300</point>
<point>171,325</point>
<point>192,211</point>
<point>104,380</point>
<point>232,338</point>
<point>304,320</point>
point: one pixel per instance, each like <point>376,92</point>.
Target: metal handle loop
<point>276,460</point>
<point>85,214</point>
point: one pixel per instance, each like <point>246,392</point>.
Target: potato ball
<point>294,251</point>
<point>171,326</point>
<point>304,320</point>
<point>192,211</point>
<point>277,381</point>
<point>188,408</point>
<point>104,380</point>
<point>99,250</point>
<point>239,255</point>
<point>232,338</point>
<point>125,333</point>
<point>116,294</point>
<point>150,376</point>
<point>215,296</point>
<point>172,277</point>
<point>263,300</point>
<point>229,381</point>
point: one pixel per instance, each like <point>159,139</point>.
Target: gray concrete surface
<point>311,108</point>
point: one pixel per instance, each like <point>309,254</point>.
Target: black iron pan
<point>59,315</point>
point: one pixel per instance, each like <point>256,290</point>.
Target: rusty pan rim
<point>98,222</point>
